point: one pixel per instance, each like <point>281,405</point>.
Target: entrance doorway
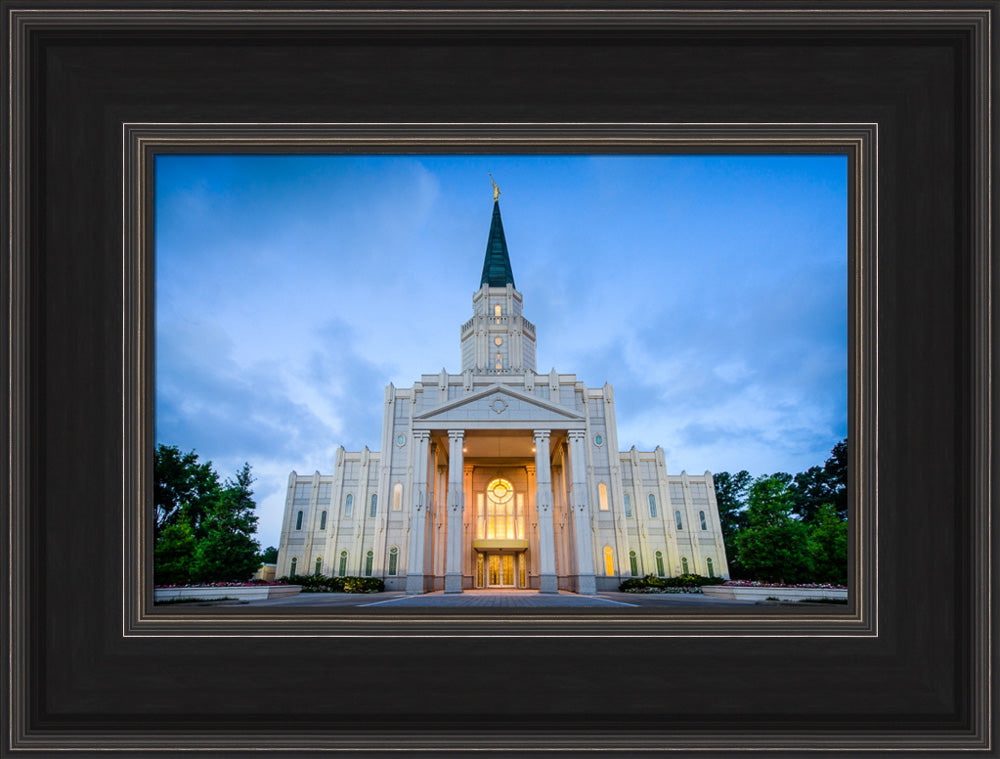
<point>501,570</point>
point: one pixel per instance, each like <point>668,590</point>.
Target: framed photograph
<point>98,96</point>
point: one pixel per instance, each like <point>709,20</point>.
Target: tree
<point>774,547</point>
<point>836,473</point>
<point>269,555</point>
<point>173,554</point>
<point>731,492</point>
<point>828,546</point>
<point>228,550</point>
<point>822,485</point>
<point>183,488</point>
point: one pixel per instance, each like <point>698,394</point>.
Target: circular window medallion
<point>500,491</point>
<point>498,341</point>
<point>499,405</point>
<point>598,440</point>
<point>400,440</point>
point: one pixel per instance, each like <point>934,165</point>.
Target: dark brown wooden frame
<point>909,671</point>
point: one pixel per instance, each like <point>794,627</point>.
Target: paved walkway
<point>495,598</point>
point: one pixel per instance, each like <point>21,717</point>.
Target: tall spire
<point>496,267</point>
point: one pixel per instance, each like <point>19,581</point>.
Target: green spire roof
<point>496,267</point>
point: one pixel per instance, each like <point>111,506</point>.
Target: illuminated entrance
<point>500,543</point>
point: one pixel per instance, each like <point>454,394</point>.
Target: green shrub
<point>634,584</point>
<point>322,584</point>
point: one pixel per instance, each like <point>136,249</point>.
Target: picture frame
<point>93,668</point>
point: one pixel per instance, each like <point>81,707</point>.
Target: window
<point>291,570</point>
<point>609,562</point>
<point>374,507</point>
<point>322,521</point>
<point>349,506</point>
<point>704,525</point>
<point>397,497</point>
<point>342,570</point>
<point>659,564</point>
<point>652,506</point>
<point>298,521</point>
<point>677,519</point>
<point>496,313</point>
<point>319,565</point>
<point>368,563</point>
<point>602,496</point>
<point>633,563</point>
<point>711,570</point>
<point>684,565</point>
<point>393,557</point>
<point>628,506</point>
<point>503,515</point>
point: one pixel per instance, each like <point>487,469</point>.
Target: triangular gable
<point>501,404</point>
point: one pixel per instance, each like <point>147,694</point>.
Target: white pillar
<point>418,516</point>
<point>579,503</point>
<point>456,505</point>
<point>543,502</point>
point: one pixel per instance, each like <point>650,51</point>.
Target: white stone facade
<point>500,477</point>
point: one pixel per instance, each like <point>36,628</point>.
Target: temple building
<point>500,477</point>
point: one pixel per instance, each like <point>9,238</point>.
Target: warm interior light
<point>532,449</point>
<point>465,450</point>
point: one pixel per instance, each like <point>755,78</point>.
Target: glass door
<point>500,570</point>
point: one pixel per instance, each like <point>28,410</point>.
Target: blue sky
<point>710,291</point>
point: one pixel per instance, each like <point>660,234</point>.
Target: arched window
<point>602,496</point>
<point>677,519</point>
<point>319,565</point>
<point>298,521</point>
<point>393,556</point>
<point>659,564</point>
<point>374,507</point>
<point>633,563</point>
<point>628,507</point>
<point>342,570</point>
<point>609,562</point>
<point>368,563</point>
<point>503,513</point>
<point>652,506</point>
<point>349,506</point>
<point>684,565</point>
<point>322,521</point>
<point>291,570</point>
<point>397,497</point>
<point>704,525</point>
<point>711,570</point>
<point>496,312</point>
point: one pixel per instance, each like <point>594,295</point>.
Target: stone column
<point>456,505</point>
<point>585,581</point>
<point>548,583</point>
<point>418,516</point>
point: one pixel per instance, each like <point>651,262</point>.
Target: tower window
<point>677,520</point>
<point>298,521</point>
<point>393,556</point>
<point>322,521</point>
<point>498,341</point>
<point>652,506</point>
<point>633,563</point>
<point>397,497</point>
<point>684,565</point>
<point>374,507</point>
<point>349,506</point>
<point>319,565</point>
<point>628,507</point>
<point>659,564</point>
<point>602,497</point>
<point>291,569</point>
<point>342,570</point>
<point>701,514</point>
<point>369,557</point>
<point>711,570</point>
<point>609,562</point>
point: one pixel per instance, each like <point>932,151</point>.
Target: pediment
<point>501,405</point>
